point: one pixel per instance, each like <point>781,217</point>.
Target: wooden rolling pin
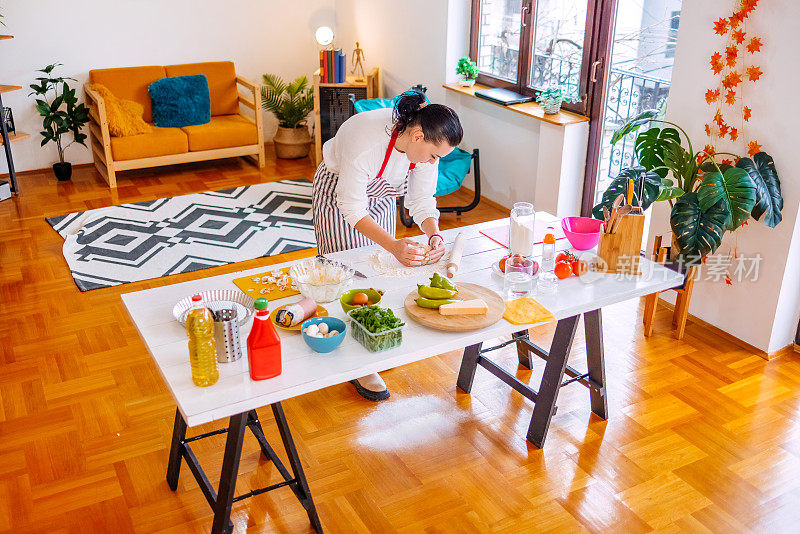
<point>455,255</point>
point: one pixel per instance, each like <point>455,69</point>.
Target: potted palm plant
<point>707,197</point>
<point>290,103</point>
<point>57,104</point>
<point>468,70</point>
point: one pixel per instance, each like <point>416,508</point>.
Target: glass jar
<point>522,223</point>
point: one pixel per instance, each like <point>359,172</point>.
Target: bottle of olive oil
<point>202,347</point>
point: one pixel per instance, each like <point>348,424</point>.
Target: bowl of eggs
<point>323,334</point>
<point>355,298</point>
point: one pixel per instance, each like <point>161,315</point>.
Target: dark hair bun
<point>405,108</point>
<point>438,122</point>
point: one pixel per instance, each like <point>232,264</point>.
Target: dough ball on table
<point>424,249</point>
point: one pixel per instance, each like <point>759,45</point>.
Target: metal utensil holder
<point>226,334</point>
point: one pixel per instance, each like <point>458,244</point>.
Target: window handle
<point>595,65</point>
<point>524,11</point>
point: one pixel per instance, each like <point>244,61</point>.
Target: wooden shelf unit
<point>7,138</point>
<point>13,137</point>
<point>370,86</point>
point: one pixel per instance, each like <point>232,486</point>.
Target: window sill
<point>530,109</point>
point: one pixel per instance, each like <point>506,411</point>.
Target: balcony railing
<point>629,93</point>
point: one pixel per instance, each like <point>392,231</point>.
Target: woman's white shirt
<point>356,154</point>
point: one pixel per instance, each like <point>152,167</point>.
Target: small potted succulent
<point>551,98</point>
<point>468,70</point>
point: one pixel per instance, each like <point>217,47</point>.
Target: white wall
<point>763,313</point>
<point>258,35</point>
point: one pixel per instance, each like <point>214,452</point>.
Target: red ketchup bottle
<point>263,345</point>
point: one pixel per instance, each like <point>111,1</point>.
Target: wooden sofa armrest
<point>255,105</point>
<point>241,80</point>
<point>255,102</point>
<point>99,105</point>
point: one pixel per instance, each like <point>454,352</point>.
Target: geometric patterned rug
<point>132,242</point>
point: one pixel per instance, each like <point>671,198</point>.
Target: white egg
<point>312,330</point>
<point>323,328</point>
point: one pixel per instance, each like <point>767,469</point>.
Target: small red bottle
<point>263,345</point>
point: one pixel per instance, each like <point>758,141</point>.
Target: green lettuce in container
<point>376,328</point>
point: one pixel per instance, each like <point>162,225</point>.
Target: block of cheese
<point>465,307</point>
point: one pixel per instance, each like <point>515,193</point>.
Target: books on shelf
<point>332,66</point>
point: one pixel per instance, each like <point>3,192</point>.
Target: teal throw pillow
<point>180,101</point>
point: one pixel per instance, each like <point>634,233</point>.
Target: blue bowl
<point>324,344</point>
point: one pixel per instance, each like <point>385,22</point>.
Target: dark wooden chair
<point>684,295</point>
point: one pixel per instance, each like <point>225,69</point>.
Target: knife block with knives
<point>621,241</point>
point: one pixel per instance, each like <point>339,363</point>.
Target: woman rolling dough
<point>375,157</point>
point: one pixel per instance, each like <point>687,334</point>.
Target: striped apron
<point>332,231</point>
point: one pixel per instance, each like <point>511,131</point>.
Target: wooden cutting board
<point>459,323</point>
<point>270,291</point>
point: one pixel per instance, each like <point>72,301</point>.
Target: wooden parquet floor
<point>703,436</point>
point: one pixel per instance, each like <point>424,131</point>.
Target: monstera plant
<point>707,198</point>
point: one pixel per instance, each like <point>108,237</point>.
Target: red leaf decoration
<point>747,113</point>
<point>712,96</point>
<point>731,52</point>
<point>734,134</point>
<point>753,148</point>
<point>721,27</point>
<point>738,36</point>
<point>754,45</point>
<point>730,97</point>
<point>754,73</point>
<point>731,80</point>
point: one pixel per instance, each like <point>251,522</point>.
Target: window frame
<point>527,21</point>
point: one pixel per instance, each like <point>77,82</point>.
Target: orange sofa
<point>229,134</point>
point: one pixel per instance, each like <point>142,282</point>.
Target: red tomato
<point>503,264</point>
<point>563,270</point>
<point>561,256</point>
<point>579,267</point>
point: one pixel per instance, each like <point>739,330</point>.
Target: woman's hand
<point>407,251</point>
<point>437,249</point>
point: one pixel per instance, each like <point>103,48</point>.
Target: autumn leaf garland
<point>732,65</point>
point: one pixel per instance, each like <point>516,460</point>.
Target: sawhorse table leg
<point>222,501</point>
<point>555,369</point>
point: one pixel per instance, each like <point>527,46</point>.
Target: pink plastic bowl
<point>583,233</point>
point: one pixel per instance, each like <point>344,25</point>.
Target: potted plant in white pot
<point>290,103</point>
<point>468,70</point>
<point>61,115</point>
<point>551,99</point>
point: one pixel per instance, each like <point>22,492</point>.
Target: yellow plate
<point>321,312</point>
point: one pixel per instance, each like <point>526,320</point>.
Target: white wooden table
<point>236,396</point>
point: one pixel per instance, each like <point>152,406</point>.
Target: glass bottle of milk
<point>523,220</point>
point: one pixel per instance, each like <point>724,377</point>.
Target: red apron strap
<point>392,141</point>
